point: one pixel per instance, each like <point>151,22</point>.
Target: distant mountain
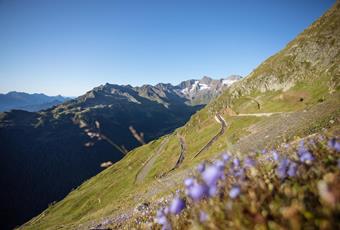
<point>203,90</point>
<point>47,153</point>
<point>194,91</point>
<point>29,102</point>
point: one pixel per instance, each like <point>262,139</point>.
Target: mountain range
<point>294,93</point>
<point>29,102</point>
<point>47,153</point>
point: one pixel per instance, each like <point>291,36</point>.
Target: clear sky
<point>68,47</point>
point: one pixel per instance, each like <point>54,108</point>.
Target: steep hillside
<point>294,93</point>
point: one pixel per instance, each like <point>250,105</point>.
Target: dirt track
<point>149,163</point>
<point>181,154</point>
<point>220,133</point>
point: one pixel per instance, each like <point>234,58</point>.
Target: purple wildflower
<point>166,210</point>
<point>212,190</point>
<point>160,213</point>
<point>249,162</point>
<point>189,182</point>
<point>292,169</point>
<point>236,163</point>
<point>212,174</point>
<point>239,173</point>
<point>201,168</point>
<point>281,170</point>
<point>275,154</point>
<point>334,144</point>
<point>306,157</point>
<point>225,157</point>
<point>177,205</point>
<point>264,151</point>
<point>198,191</point>
<point>162,220</point>
<point>301,148</point>
<point>203,216</point>
<point>219,164</point>
<point>304,154</point>
<point>234,192</point>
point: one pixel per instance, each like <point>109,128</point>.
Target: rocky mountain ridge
<point>190,92</point>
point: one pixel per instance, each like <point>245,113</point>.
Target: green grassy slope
<point>301,81</point>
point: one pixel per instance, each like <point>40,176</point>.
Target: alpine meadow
<point>241,151</point>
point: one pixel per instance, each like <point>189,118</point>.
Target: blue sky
<point>68,47</point>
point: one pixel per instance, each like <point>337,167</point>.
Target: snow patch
<point>185,91</point>
<point>194,86</point>
<point>203,86</point>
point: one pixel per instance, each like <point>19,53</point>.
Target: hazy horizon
<point>70,47</point>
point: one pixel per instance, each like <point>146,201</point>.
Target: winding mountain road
<point>223,123</point>
<point>181,154</point>
<point>258,114</point>
<point>145,169</point>
<point>149,163</point>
